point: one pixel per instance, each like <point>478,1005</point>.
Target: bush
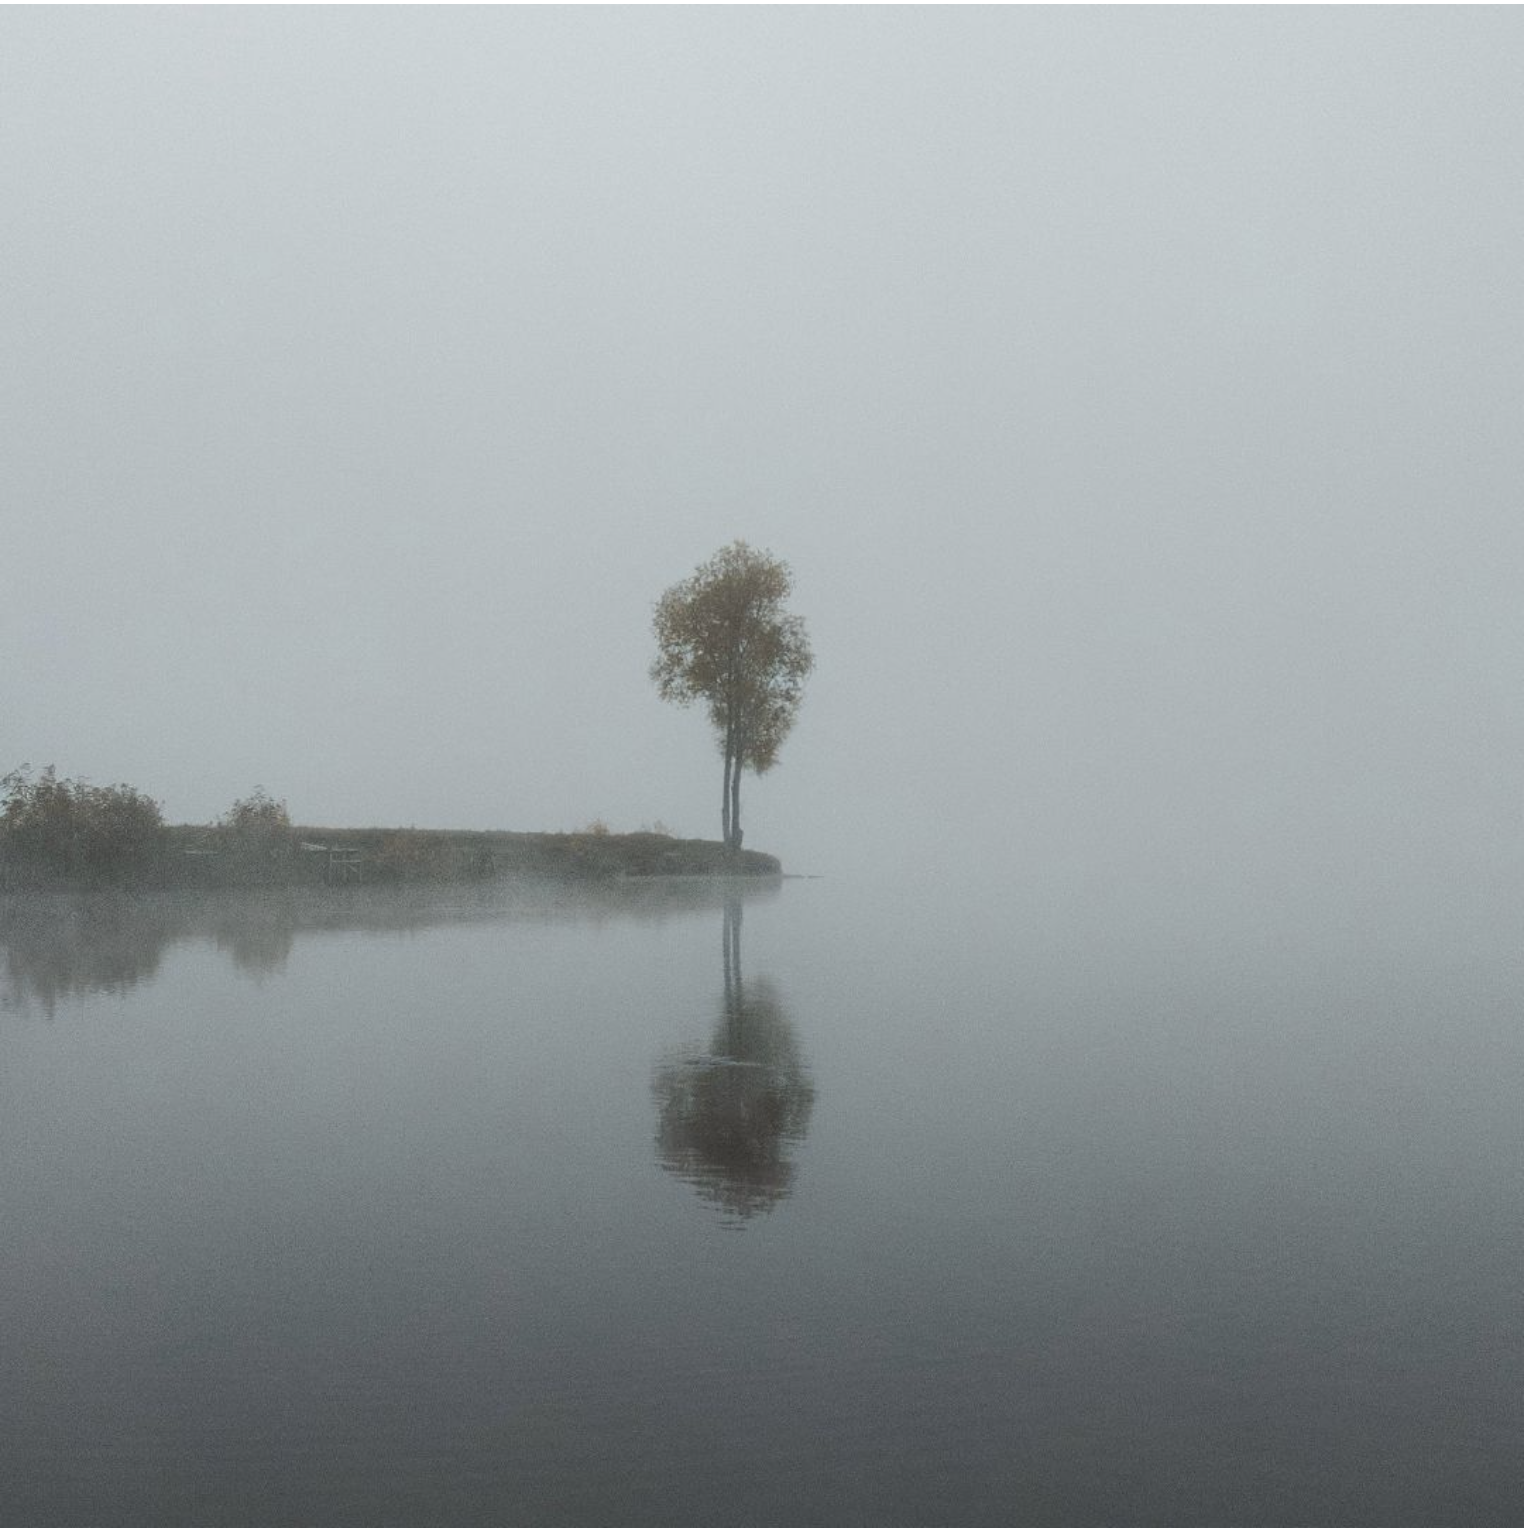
<point>259,819</point>
<point>256,834</point>
<point>69,829</point>
<point>409,855</point>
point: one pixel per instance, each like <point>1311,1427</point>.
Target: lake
<point>849,1202</point>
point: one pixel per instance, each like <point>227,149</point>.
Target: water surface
<point>815,1202</point>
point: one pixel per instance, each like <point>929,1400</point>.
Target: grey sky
<point>1136,394</point>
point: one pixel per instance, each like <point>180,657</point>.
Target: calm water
<point>842,1204</point>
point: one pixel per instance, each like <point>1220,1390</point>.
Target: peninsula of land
<point>67,834</point>
<point>209,858</point>
<point>386,856</point>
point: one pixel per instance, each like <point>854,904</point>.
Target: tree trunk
<point>728,803</point>
<point>736,802</point>
<point>731,789</point>
<point>726,800</point>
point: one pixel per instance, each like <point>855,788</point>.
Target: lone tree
<point>722,636</point>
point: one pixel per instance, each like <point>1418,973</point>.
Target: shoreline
<point>208,858</point>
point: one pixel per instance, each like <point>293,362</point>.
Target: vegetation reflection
<point>58,946</point>
<point>55,951</point>
<point>728,1117</point>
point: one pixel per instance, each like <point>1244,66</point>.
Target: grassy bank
<point>67,834</point>
<point>199,856</point>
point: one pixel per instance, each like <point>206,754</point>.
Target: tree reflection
<point>728,1118</point>
<point>259,939</point>
<point>56,950</point>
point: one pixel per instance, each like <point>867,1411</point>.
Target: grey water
<point>807,1202</point>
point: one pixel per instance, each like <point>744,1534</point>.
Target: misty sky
<point>1136,394</point>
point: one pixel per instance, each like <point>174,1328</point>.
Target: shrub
<point>410,855</point>
<point>69,829</point>
<point>256,834</point>
<point>258,819</point>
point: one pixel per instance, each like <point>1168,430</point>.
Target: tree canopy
<point>723,637</point>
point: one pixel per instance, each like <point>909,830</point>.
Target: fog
<point>1136,395</point>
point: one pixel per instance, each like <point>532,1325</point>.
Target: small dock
<point>341,866</point>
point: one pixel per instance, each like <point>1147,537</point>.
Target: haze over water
<point>500,1206</point>
<point>1126,1126</point>
<point>1135,394</point>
